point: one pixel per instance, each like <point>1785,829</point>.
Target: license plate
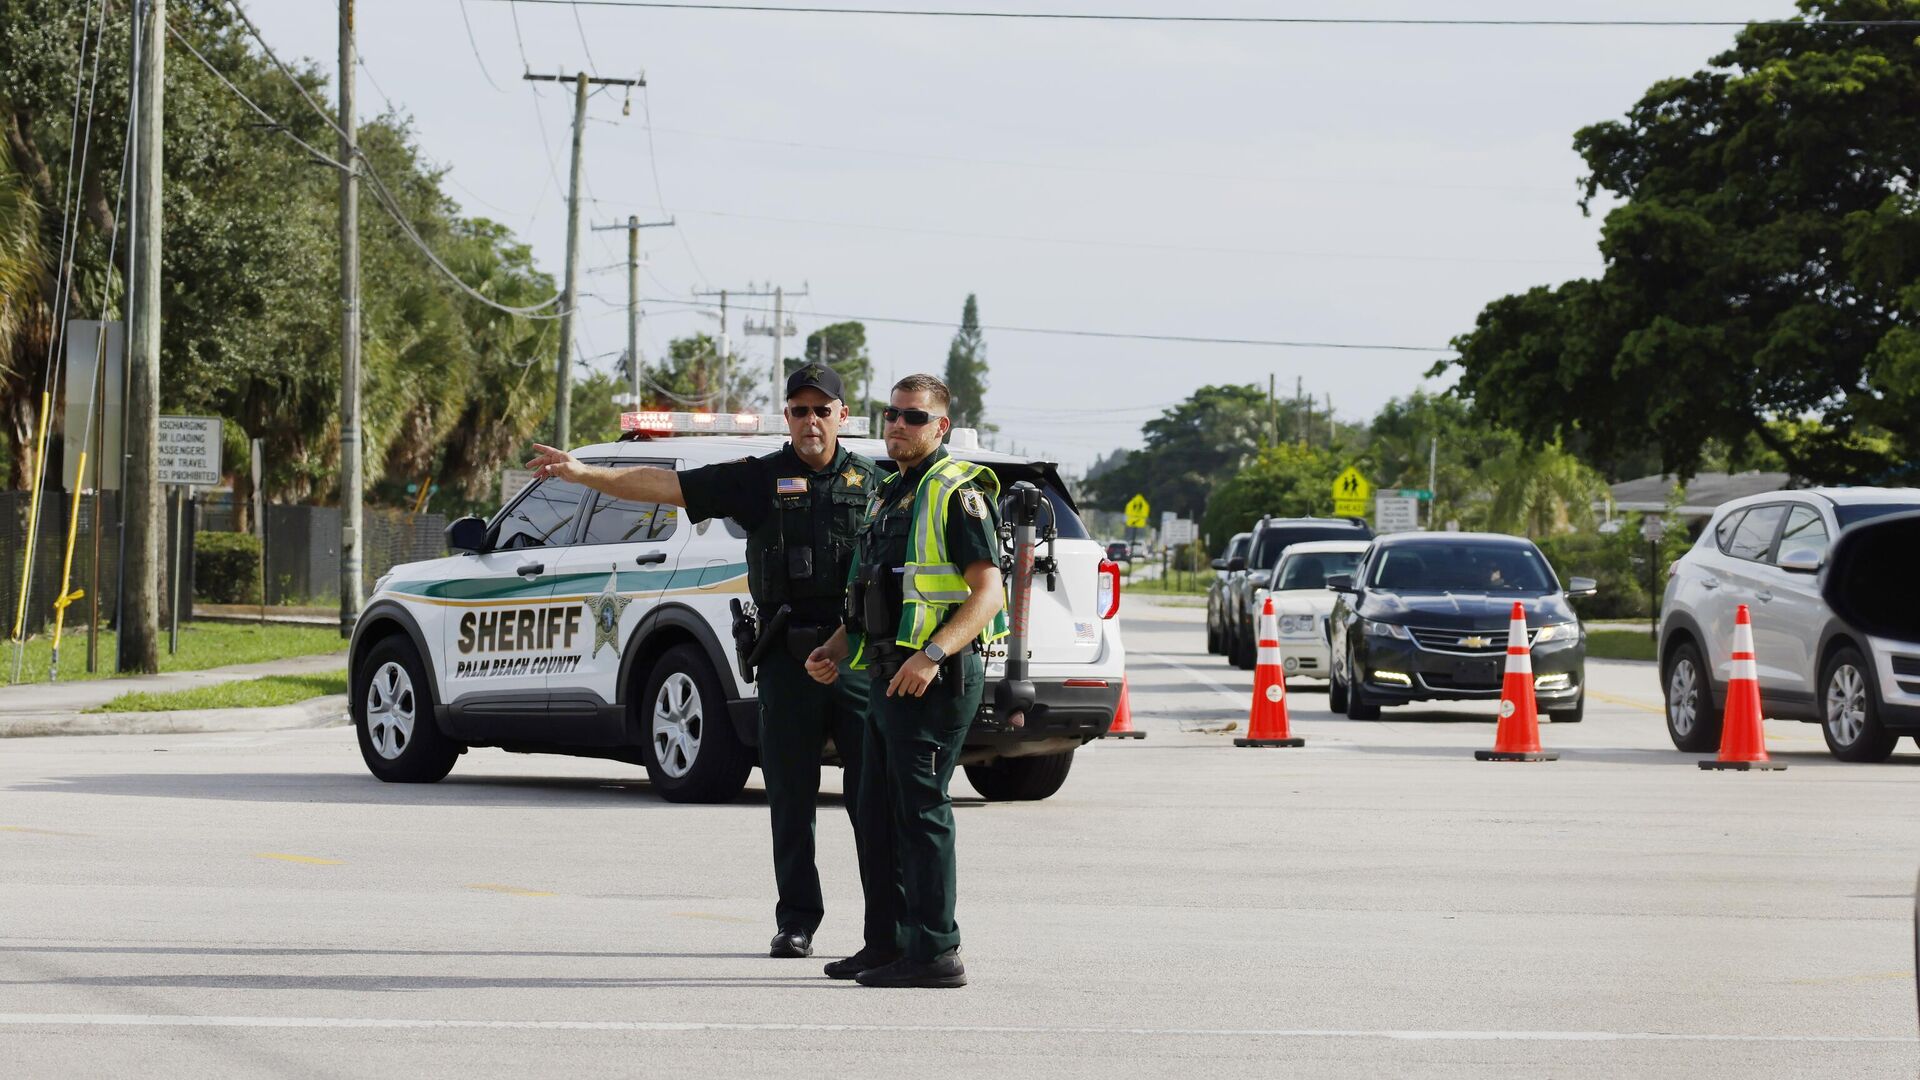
<point>1479,672</point>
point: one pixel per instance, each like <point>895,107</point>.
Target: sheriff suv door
<point>499,624</point>
<point>608,578</point>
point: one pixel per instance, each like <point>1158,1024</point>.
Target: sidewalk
<point>59,708</point>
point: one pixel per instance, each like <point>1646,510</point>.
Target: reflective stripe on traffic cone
<point>1518,737</point>
<point>1267,719</point>
<point>1122,727</point>
<point>1743,734</point>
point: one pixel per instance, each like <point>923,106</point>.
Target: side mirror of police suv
<point>467,535</point>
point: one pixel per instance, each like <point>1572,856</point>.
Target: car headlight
<point>381,583</point>
<point>1556,632</point>
<point>1296,625</point>
<point>1380,629</point>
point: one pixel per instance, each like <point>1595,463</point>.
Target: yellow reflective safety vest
<point>931,587</point>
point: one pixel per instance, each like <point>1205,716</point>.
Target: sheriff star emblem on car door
<point>606,610</point>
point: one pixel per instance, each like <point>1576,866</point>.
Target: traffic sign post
<point>1351,493</point>
<point>1396,513</point>
<point>1137,512</point>
<point>187,454</point>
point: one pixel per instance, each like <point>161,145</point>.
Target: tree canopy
<point>1762,273</point>
<point>966,371</point>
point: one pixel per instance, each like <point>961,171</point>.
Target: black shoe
<point>863,960</point>
<point>942,972</point>
<point>791,944</point>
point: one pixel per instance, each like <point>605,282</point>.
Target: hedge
<point>226,568</point>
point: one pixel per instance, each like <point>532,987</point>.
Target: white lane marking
<point>672,1026</point>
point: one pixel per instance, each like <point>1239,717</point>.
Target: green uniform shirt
<point>801,524</point>
<point>973,524</point>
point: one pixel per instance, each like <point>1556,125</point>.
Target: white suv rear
<point>602,628</point>
<point>1766,551</point>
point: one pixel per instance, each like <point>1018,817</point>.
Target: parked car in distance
<point>1120,551</point>
<point>1217,592</point>
<point>1302,602</point>
<point>1271,538</point>
<point>1426,615</point>
<point>1767,551</point>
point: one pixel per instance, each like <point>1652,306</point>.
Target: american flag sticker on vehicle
<point>791,485</point>
<point>1084,631</point>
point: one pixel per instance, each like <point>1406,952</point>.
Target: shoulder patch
<point>973,503</point>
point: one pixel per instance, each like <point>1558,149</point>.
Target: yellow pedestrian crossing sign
<point>1351,494</point>
<point>1137,511</point>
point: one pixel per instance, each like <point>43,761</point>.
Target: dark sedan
<point>1425,618</point>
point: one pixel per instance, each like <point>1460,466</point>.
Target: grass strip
<point>202,645</point>
<point>238,694</point>
<point>1621,645</point>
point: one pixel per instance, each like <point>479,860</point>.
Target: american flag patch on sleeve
<point>790,485</point>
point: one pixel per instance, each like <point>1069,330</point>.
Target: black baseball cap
<point>820,377</point>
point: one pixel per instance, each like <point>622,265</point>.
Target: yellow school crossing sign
<point>1137,511</point>
<point>1351,494</point>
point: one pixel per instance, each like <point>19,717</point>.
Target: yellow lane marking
<point>711,917</point>
<point>508,890</point>
<point>1628,702</point>
<point>40,832</point>
<point>1837,980</point>
<point>296,858</point>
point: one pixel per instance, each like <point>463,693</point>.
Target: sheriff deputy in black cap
<point>802,507</point>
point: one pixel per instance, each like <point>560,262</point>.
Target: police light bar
<point>707,423</point>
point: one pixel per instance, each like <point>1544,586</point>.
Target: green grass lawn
<point>240,694</point>
<point>1184,584</point>
<point>1621,645</point>
<point>202,645</point>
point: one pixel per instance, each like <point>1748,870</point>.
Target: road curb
<point>320,712</point>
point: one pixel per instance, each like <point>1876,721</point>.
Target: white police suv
<point>576,623</point>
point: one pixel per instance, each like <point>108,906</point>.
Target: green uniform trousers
<point>912,745</point>
<point>797,717</point>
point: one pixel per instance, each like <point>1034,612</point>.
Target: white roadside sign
<point>511,481</point>
<point>1396,513</point>
<point>188,451</point>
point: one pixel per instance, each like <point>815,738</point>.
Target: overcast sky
<point>1360,184</point>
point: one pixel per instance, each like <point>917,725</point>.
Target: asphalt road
<point>1377,903</point>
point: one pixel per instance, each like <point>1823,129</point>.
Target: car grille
<point>1447,681</point>
<point>1483,642</point>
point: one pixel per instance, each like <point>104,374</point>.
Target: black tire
<point>1021,779</point>
<point>1336,694</point>
<point>1240,650</point>
<point>1693,719</point>
<point>1850,709</point>
<point>1214,645</point>
<point>1573,715</point>
<point>688,743</point>
<point>1358,707</point>
<point>393,716</point>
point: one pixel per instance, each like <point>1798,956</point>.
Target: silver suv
<point>1767,552</point>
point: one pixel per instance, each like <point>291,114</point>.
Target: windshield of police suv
<point>1462,566</point>
<point>1274,542</point>
<point>1310,570</point>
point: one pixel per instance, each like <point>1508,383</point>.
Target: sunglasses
<point>914,417</point>
<point>799,412</point>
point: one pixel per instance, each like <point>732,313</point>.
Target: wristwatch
<point>934,652</point>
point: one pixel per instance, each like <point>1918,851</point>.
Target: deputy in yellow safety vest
<point>926,592</point>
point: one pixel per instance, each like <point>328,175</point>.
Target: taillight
<point>1106,595</point>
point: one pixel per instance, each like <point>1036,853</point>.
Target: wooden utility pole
<point>140,490</point>
<point>779,328</point>
<point>351,478</point>
<point>570,301</point>
<point>633,227</point>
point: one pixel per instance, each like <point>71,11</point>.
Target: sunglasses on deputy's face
<point>801,412</point>
<point>913,417</point>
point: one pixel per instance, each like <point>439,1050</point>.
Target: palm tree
<point>23,311</point>
<point>1540,491</point>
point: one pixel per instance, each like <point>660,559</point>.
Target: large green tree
<point>966,371</point>
<point>1288,480</point>
<point>1190,448</point>
<point>1762,267</point>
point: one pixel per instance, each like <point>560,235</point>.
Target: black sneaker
<point>791,944</point>
<point>943,972</point>
<point>863,960</point>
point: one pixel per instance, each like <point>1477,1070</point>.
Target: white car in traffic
<point>1302,602</point>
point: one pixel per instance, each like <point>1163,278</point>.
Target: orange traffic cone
<point>1267,719</point>
<point>1123,719</point>
<point>1743,737</point>
<point>1518,737</point>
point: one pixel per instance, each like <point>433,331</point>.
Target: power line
<point>1257,20</point>
<point>1194,339</point>
<point>582,27</point>
<point>475,45</point>
<point>1134,244</point>
<point>383,197</point>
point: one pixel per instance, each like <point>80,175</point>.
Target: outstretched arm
<point>637,483</point>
